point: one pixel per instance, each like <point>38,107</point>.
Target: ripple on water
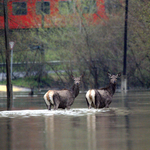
<point>71,112</point>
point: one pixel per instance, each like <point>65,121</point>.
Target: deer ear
<point>119,74</point>
<point>72,76</point>
<point>109,75</point>
<point>82,75</point>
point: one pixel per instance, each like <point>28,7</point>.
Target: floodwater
<point>30,126</point>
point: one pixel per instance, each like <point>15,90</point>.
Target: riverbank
<point>3,88</point>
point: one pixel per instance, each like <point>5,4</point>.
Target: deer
<point>63,98</point>
<point>100,98</point>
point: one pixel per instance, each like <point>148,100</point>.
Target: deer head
<point>113,78</point>
<point>77,80</point>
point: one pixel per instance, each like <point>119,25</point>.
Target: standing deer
<point>63,98</point>
<point>100,98</point>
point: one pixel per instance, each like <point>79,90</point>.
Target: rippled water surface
<point>30,126</point>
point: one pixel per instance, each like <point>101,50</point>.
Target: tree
<point>139,43</point>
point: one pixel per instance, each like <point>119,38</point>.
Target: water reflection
<point>5,132</point>
<point>91,134</point>
<point>8,134</point>
<point>106,132</point>
<point>127,120</point>
<point>128,134</point>
<point>125,125</point>
<point>64,133</point>
<point>49,131</point>
<point>92,131</point>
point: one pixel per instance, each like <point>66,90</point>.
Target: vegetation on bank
<point>27,82</point>
<point>33,82</point>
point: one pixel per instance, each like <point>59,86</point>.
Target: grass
<point>27,82</point>
<point>33,81</point>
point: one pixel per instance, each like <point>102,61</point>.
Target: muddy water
<point>30,126</point>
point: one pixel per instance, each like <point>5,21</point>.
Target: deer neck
<point>75,90</point>
<point>111,88</point>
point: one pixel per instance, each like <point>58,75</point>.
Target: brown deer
<point>63,98</point>
<point>100,98</point>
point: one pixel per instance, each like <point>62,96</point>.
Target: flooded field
<point>30,126</point>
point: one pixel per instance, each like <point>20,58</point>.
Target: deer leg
<point>107,106</point>
<point>97,105</point>
<point>56,105</point>
<point>69,103</point>
<point>68,107</point>
<point>108,103</point>
<point>97,99</point>
<point>56,101</point>
<point>49,107</point>
<point>89,105</point>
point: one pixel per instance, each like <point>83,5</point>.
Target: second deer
<point>100,98</point>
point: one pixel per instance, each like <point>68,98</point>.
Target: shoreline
<point>3,88</point>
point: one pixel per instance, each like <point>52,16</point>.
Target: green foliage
<point>30,82</point>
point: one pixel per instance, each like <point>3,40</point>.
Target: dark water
<point>123,126</point>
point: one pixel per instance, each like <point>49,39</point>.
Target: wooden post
<point>9,86</point>
<point>124,83</point>
<point>124,77</point>
<point>42,13</point>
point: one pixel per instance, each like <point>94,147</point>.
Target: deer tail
<point>48,97</point>
<point>90,97</point>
